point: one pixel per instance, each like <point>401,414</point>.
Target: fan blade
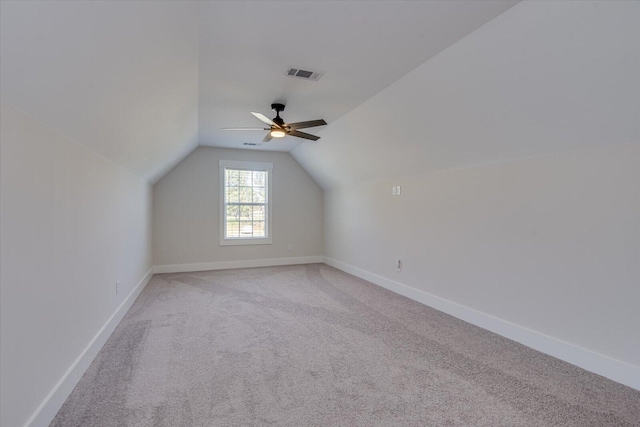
<point>267,137</point>
<point>309,124</point>
<point>245,128</point>
<point>303,135</point>
<point>264,119</point>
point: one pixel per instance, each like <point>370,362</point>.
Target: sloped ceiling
<point>143,82</point>
<point>542,78</point>
<point>119,77</point>
<point>247,47</point>
<point>410,87</point>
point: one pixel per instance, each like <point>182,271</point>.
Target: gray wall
<point>186,211</point>
<point>72,225</point>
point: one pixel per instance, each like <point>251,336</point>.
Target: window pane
<point>259,195</point>
<point>246,195</point>
<point>246,229</point>
<point>245,213</point>
<point>233,229</point>
<point>244,178</point>
<point>259,179</point>
<point>258,229</point>
<point>232,194</point>
<point>232,213</point>
<point>259,213</point>
<point>232,177</point>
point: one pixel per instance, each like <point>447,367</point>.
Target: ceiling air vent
<point>304,74</point>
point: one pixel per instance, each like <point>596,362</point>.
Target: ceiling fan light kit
<point>279,129</point>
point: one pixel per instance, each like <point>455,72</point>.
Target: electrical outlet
<point>398,190</point>
<point>117,287</point>
<point>290,247</point>
<point>398,265</point>
<point>393,190</point>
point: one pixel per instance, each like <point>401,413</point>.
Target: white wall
<point>186,211</point>
<point>551,243</point>
<point>72,224</point>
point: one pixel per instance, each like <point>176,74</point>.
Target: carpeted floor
<point>312,346</point>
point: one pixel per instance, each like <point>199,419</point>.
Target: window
<point>245,201</point>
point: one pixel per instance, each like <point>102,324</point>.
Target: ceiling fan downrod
<point>278,108</point>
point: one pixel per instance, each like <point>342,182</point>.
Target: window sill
<point>237,242</point>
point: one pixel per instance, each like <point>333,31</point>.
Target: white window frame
<point>252,166</point>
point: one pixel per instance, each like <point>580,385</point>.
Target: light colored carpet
<point>313,346</point>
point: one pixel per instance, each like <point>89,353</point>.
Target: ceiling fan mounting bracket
<point>277,107</point>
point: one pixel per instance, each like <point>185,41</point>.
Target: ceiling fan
<point>278,128</point>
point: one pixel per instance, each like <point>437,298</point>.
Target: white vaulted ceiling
<point>542,78</point>
<point>246,48</point>
<point>119,77</point>
<point>143,82</point>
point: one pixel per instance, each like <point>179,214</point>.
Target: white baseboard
<point>613,369</point>
<point>226,265</point>
<point>53,402</point>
